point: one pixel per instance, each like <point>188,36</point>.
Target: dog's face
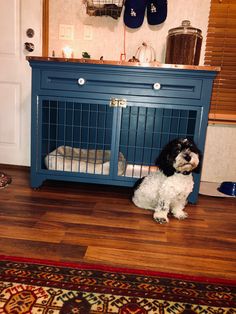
<point>186,156</point>
<point>180,155</point>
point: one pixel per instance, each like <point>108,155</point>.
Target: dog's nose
<point>187,157</point>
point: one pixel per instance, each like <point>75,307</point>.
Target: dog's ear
<point>165,161</point>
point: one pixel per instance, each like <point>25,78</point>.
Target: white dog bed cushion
<point>95,161</point>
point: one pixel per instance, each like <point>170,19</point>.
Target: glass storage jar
<point>184,44</point>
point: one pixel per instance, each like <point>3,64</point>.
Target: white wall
<point>108,41</point>
<point>108,33</point>
<point>220,154</point>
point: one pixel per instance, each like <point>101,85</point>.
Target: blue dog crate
<point>106,123</point>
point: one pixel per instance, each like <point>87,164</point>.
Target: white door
<point>16,16</point>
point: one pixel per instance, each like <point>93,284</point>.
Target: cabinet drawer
<point>122,84</point>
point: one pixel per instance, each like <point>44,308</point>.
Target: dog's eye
<point>178,149</point>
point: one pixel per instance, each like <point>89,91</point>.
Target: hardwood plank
<point>181,264</point>
<point>41,250</point>
<point>33,234</point>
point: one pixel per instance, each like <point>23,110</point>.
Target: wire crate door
<point>145,130</point>
<point>77,138</point>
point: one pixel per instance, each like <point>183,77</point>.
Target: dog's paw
<point>161,220</point>
<point>181,215</point>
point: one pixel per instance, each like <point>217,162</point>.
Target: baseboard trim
<point>4,167</point>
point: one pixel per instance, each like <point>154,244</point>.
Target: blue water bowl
<point>228,188</point>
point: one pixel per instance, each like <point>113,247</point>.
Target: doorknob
<point>29,47</point>
<point>30,32</point>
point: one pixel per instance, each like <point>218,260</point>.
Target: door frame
<point>45,28</point>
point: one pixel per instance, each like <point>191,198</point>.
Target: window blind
<point>221,51</point>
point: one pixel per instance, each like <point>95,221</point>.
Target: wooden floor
<point>99,224</point>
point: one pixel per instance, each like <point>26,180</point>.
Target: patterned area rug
<point>34,286</point>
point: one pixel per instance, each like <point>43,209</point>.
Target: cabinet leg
<point>36,182</point>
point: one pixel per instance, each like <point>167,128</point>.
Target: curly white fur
<point>167,190</point>
<point>161,193</point>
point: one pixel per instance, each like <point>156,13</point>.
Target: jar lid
<point>185,28</point>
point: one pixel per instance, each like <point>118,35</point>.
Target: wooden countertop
<point>155,64</point>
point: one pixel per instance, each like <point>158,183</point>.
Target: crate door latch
<point>116,102</point>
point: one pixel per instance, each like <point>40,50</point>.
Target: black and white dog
<point>167,189</point>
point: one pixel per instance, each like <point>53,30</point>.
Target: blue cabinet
<point>106,123</point>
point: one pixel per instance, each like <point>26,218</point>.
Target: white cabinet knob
<point>81,81</point>
<point>156,86</point>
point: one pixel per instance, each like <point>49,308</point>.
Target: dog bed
<point>95,161</point>
<point>139,171</point>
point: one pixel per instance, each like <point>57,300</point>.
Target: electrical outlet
<point>66,32</point>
